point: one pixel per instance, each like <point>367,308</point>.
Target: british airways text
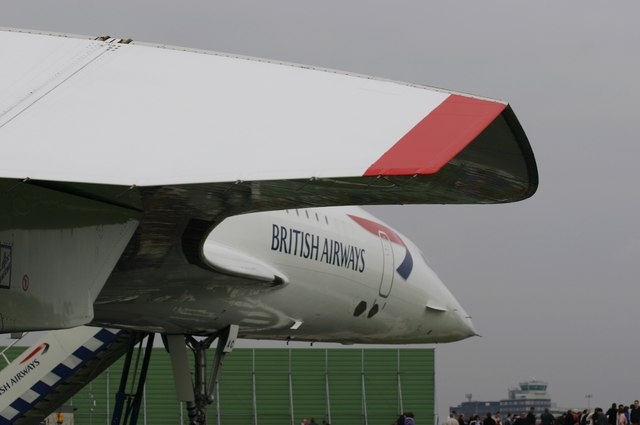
<point>308,245</point>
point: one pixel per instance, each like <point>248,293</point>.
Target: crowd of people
<point>406,418</point>
<point>313,422</point>
<point>617,414</point>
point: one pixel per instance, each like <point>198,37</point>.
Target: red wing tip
<point>438,137</point>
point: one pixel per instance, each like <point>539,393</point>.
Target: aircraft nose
<point>463,323</point>
<point>457,323</point>
<point>456,326</point>
<point>455,320</point>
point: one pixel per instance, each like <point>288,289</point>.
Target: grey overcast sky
<point>552,283</point>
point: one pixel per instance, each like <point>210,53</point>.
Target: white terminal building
<point>530,394</point>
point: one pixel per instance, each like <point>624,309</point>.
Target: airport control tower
<point>531,393</point>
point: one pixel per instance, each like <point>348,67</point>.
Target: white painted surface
<point>76,110</point>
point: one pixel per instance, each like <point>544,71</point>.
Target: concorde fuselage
<point>113,226</point>
<point>338,274</point>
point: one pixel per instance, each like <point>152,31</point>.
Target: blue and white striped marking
<point>59,374</point>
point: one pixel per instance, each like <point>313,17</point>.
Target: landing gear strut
<point>200,393</point>
<point>129,402</point>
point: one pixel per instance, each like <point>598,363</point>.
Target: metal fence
<point>283,386</point>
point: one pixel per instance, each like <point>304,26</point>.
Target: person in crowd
<point>622,417</point>
<point>531,416</point>
<point>521,419</point>
<point>581,417</point>
<point>612,414</point>
<point>509,419</point>
<point>599,417</point>
<point>590,418</point>
<point>488,419</point>
<point>409,419</point>
<point>546,418</point>
<point>461,419</point>
<point>498,418</point>
<point>560,418</point>
<point>476,420</point>
<point>634,415</point>
<point>451,420</point>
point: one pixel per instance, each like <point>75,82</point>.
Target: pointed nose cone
<point>455,323</point>
<point>464,326</point>
<point>459,322</point>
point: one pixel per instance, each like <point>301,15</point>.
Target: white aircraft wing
<point>123,156</point>
<point>92,111</point>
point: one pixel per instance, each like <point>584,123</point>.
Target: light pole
<point>588,397</point>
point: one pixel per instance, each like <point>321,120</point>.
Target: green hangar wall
<point>282,386</point>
